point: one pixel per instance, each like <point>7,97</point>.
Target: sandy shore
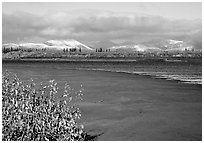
<point>120,106</point>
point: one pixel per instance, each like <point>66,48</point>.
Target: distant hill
<point>170,45</point>
<point>127,43</point>
<point>51,45</point>
<point>157,45</point>
<point>134,48</point>
<point>68,44</point>
<point>105,44</point>
<point>11,45</point>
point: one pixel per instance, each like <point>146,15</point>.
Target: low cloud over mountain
<point>26,27</point>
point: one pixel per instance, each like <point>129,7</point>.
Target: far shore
<point>111,59</point>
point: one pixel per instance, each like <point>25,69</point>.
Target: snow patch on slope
<point>140,48</point>
<point>32,45</point>
<point>67,43</point>
<point>175,42</point>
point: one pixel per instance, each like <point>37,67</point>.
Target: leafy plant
<point>31,113</point>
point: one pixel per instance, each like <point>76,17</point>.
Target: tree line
<point>11,49</point>
<point>71,50</point>
<point>101,50</point>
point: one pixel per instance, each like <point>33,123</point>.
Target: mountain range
<point>51,45</point>
<point>157,45</point>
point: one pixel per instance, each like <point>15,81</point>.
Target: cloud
<point>21,26</point>
<point>18,26</point>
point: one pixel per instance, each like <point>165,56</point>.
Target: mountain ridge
<point>50,44</point>
<point>155,45</point>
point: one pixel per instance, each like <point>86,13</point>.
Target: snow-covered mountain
<point>169,45</point>
<point>159,45</point>
<point>50,45</point>
<point>31,45</point>
<point>174,42</point>
<point>156,46</point>
<point>10,45</point>
<point>136,47</point>
<point>68,44</point>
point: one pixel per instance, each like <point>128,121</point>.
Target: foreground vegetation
<point>31,113</point>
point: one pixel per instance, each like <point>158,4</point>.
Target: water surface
<point>126,106</point>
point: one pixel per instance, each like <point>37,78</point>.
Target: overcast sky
<point>88,22</point>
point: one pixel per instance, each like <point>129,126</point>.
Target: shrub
<point>38,114</point>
